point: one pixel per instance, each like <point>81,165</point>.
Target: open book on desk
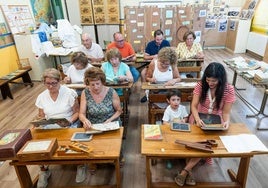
<point>40,122</point>
<point>243,143</point>
<point>114,125</point>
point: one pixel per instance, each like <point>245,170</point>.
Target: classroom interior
<point>243,41</point>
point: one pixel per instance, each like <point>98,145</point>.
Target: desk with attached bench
<point>106,148</point>
<point>186,86</point>
<point>11,77</point>
<point>167,149</point>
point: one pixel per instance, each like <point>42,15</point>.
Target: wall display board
<point>19,17</point>
<point>172,20</point>
<point>99,12</point>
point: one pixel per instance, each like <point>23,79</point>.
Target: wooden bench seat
<point>11,77</point>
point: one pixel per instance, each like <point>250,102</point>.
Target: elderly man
<point>92,50</point>
<point>127,52</point>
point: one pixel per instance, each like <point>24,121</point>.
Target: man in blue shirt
<point>151,52</point>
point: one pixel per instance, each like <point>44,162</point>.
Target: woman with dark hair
<point>212,95</point>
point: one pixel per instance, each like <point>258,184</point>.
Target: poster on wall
<point>232,25</point>
<point>222,26</point>
<point>86,14</point>
<point>42,11</point>
<point>19,17</point>
<point>210,24</point>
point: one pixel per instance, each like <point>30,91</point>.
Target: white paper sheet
<point>243,143</point>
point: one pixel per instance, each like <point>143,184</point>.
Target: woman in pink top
<point>212,95</point>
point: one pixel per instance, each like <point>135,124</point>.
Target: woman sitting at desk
<point>164,68</point>
<point>212,95</point>
<point>75,73</point>
<point>189,50</point>
<point>99,104</point>
<point>115,70</point>
<point>57,101</point>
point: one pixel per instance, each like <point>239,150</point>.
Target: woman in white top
<point>164,68</point>
<point>57,101</point>
<point>75,73</point>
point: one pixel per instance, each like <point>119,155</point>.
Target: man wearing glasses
<point>127,52</point>
<point>92,50</point>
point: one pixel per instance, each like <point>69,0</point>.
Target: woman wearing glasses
<point>57,101</point>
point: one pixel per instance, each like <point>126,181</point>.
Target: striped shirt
<point>228,97</point>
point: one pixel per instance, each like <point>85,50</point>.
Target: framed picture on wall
<point>232,25</point>
<point>217,2</point>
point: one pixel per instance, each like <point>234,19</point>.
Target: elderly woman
<point>75,73</point>
<point>115,70</point>
<point>99,104</point>
<point>189,49</point>
<point>57,101</point>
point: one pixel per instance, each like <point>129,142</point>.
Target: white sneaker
<point>80,173</point>
<point>43,177</point>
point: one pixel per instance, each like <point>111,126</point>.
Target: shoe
<point>143,99</point>
<point>43,177</point>
<point>80,174</point>
<point>180,179</point>
<point>169,165</point>
<point>190,180</point>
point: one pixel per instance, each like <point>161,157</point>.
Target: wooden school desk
<point>106,149</point>
<point>186,86</point>
<point>191,65</point>
<point>153,150</point>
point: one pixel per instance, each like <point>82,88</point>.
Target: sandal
<point>180,179</point>
<point>190,180</point>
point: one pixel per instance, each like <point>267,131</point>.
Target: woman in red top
<point>212,95</point>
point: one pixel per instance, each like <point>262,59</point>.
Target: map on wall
<point>42,11</point>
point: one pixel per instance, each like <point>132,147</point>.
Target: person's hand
<point>200,123</point>
<point>153,80</point>
<point>226,124</point>
<point>86,124</point>
<point>170,82</point>
<point>90,58</point>
<point>199,55</point>
<point>63,123</point>
<point>107,121</point>
<point>67,80</point>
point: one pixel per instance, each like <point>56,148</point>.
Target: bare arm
<point>194,104</point>
<point>41,114</point>
<point>176,76</point>
<point>226,114</point>
<point>148,56</point>
<point>75,109</point>
<point>82,112</point>
<point>149,73</point>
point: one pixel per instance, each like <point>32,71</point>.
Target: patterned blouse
<point>99,112</point>
<point>183,51</point>
<point>228,97</point>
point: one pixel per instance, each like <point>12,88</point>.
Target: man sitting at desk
<point>151,52</point>
<point>127,52</point>
<point>92,50</point>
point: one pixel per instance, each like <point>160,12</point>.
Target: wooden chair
<point>191,65</point>
<point>156,113</point>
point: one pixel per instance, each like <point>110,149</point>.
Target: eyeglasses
<point>119,41</point>
<point>51,83</point>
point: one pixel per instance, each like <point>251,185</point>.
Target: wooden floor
<point>17,113</point>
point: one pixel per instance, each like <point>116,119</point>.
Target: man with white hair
<point>92,50</point>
